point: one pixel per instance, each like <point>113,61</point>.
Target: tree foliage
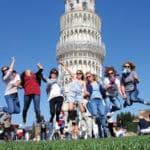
<point>127,120</point>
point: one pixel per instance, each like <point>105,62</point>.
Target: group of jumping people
<point>100,98</point>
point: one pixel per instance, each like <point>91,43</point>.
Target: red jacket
<point>31,85</point>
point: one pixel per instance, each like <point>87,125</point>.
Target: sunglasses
<point>126,66</point>
<point>79,73</point>
<point>88,76</point>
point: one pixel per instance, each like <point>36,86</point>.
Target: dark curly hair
<point>130,63</point>
<point>111,68</point>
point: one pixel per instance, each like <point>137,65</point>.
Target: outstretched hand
<point>124,96</point>
<point>62,63</point>
<point>66,68</point>
<point>39,66</point>
<point>13,58</point>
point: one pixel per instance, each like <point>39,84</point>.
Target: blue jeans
<point>36,102</point>
<point>13,105</point>
<point>97,108</point>
<point>50,129</point>
<point>132,97</point>
<point>116,103</point>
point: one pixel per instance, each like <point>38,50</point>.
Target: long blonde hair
<point>94,75</point>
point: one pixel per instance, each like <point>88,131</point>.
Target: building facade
<point>80,45</point>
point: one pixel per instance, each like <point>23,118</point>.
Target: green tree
<point>127,119</point>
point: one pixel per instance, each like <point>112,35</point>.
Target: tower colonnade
<point>80,44</point>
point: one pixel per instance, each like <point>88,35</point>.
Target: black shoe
<point>24,121</point>
<point>125,105</point>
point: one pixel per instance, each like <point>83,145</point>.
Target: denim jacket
<point>101,89</point>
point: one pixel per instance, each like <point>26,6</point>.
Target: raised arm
<point>40,74</point>
<point>40,67</point>
<point>67,69</point>
<point>12,63</point>
<point>11,67</point>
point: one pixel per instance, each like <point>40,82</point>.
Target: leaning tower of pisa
<point>80,45</point>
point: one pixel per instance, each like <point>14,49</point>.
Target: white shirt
<point>117,83</point>
<point>10,89</point>
<point>55,91</point>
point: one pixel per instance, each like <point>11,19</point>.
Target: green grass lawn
<point>125,143</point>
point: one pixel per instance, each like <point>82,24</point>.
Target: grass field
<point>125,143</point>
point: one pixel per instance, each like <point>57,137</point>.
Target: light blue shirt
<point>96,93</point>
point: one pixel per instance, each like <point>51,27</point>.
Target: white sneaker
<point>57,126</point>
<point>1,114</point>
<point>146,103</point>
<point>23,125</point>
<point>109,114</point>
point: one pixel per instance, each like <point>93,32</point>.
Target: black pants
<point>43,134</point>
<point>110,127</point>
<point>55,105</point>
<point>7,134</point>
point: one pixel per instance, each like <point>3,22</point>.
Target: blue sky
<point>29,30</point>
